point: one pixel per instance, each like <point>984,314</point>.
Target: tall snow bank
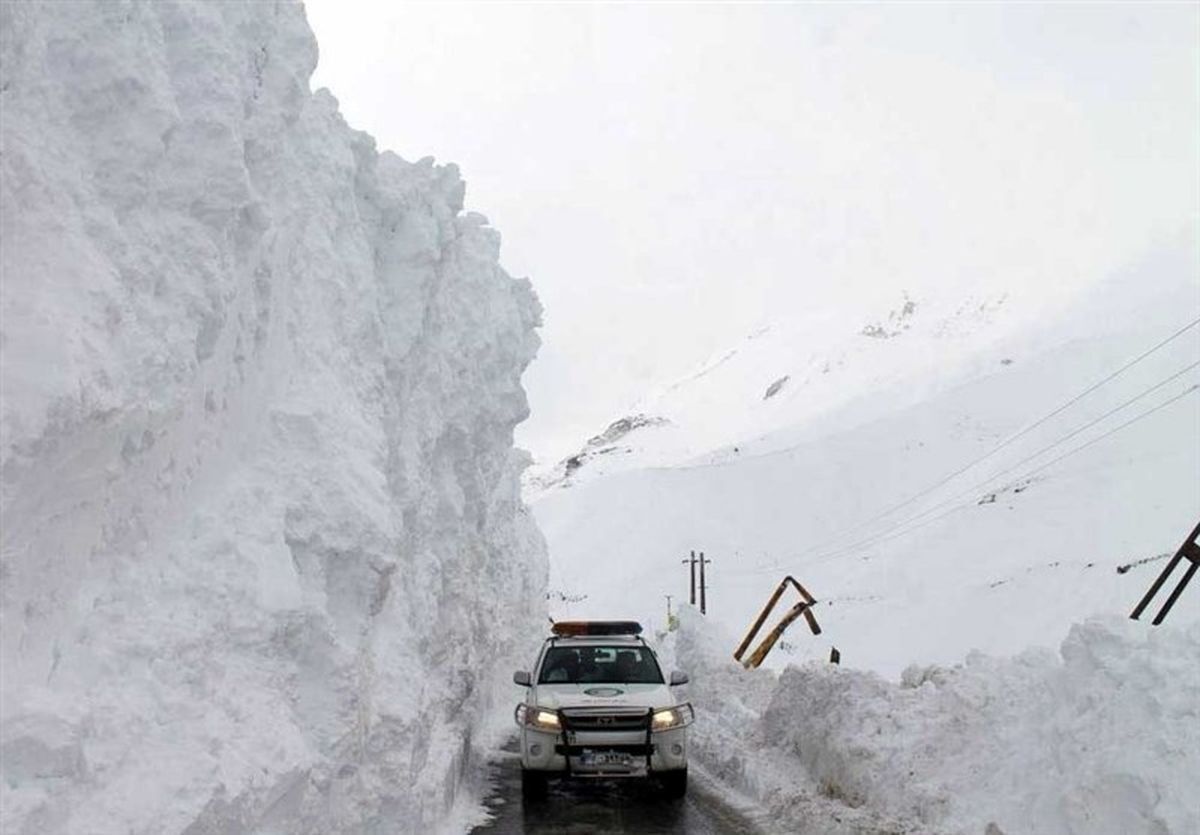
<point>263,546</point>
<point>1102,737</point>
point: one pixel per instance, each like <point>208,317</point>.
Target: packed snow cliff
<point>262,534</point>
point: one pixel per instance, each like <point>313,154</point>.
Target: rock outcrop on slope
<point>263,546</point>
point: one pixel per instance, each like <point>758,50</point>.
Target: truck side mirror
<point>678,678</point>
<point>521,677</point>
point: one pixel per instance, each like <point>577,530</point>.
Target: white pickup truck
<point>597,705</point>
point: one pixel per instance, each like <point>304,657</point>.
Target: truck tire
<point>674,783</point>
<point>533,785</point>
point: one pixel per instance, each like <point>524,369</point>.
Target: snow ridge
<point>262,532</point>
<point>1100,738</point>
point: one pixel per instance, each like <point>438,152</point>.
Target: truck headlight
<point>673,717</point>
<point>536,717</point>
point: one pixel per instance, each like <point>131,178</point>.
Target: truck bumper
<point>541,751</point>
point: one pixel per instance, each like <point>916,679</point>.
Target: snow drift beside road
<point>262,540</point>
<point>1102,738</point>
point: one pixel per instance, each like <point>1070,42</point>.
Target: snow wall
<point>263,544</point>
<point>1099,738</point>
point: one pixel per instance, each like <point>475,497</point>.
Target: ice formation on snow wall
<point>262,536</point>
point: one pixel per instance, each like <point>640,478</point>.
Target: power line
<point>1088,425</point>
<point>993,477</point>
<point>887,534</point>
<point>1006,442</point>
<point>1114,430</point>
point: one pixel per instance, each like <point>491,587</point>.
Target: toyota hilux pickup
<point>597,706</point>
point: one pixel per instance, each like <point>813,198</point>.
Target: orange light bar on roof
<point>575,628</point>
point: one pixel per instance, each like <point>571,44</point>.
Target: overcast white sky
<point>672,176</point>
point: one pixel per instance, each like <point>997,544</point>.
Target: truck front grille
<point>605,718</point>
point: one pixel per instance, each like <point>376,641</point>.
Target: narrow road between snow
<point>596,808</point>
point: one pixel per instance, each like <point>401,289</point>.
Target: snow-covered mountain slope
<point>848,479</point>
<point>804,363</point>
<point>263,545</point>
<point>806,366</point>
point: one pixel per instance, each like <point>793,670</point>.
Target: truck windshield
<point>600,665</point>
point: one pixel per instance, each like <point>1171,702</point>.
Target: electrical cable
<point>883,535</point>
<point>887,535</point>
<point>1006,442</point>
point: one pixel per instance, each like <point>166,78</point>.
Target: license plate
<point>606,758</point>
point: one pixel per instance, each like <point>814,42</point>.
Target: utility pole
<point>668,609</point>
<point>703,585</point>
<point>691,561</point>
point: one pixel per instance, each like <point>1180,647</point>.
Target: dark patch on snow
<point>623,426</point>
<point>1032,568</point>
<point>1014,487</point>
<point>898,321</point>
<point>776,387</point>
<point>604,444</point>
<point>1123,568</point>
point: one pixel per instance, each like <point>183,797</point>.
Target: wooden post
<point>804,608</point>
<point>1189,550</point>
<point>691,561</point>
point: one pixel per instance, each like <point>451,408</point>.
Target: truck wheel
<point>674,783</point>
<point>533,785</point>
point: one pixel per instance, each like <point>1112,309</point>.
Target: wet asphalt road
<point>595,807</point>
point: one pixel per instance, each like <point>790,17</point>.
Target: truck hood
<point>554,696</point>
